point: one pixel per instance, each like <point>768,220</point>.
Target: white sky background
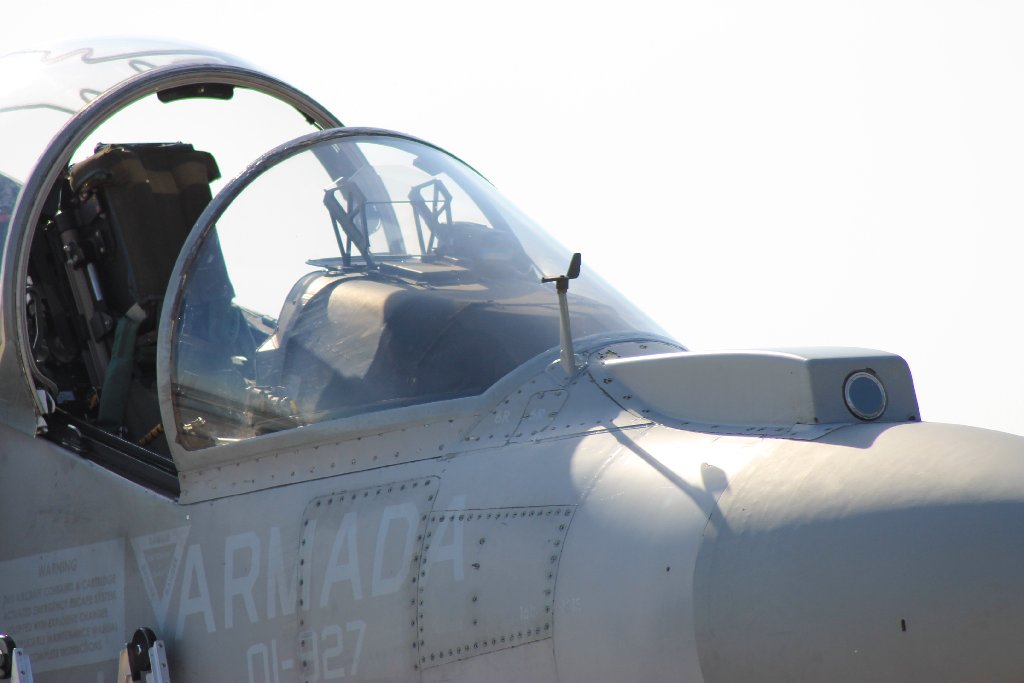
<point>752,174</point>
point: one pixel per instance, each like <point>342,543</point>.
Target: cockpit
<point>344,272</point>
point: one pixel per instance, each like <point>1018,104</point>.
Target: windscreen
<point>360,273</point>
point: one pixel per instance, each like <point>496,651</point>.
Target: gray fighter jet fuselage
<point>288,401</point>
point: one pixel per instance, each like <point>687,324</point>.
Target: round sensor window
<point>865,395</point>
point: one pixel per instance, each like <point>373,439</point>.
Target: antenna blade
<point>574,266</point>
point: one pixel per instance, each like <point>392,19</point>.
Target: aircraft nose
<point>885,554</point>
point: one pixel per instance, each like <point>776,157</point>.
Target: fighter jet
<point>283,400</point>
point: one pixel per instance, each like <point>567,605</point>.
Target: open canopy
<point>63,105</point>
<point>44,88</point>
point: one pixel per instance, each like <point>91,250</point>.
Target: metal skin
<point>552,529</point>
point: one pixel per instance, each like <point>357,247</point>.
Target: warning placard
<point>66,608</point>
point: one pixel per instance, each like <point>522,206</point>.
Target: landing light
<point>865,395</point>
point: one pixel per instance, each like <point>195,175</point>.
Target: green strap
<point>118,378</point>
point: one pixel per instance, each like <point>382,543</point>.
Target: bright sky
<point>751,174</point>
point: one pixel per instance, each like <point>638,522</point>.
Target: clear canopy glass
<point>360,272</point>
<point>43,88</point>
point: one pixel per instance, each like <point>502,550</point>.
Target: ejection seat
<point>150,195</point>
<point>123,219</point>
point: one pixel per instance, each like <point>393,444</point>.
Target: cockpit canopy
<point>354,271</point>
<point>43,88</point>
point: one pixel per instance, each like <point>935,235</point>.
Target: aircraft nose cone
<point>886,554</point>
